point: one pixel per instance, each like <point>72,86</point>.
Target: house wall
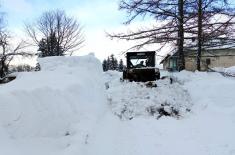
<point>221,61</point>
<point>190,63</point>
<point>166,64</point>
<point>218,58</point>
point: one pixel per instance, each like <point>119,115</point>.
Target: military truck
<point>141,67</point>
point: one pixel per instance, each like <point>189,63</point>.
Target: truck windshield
<point>142,62</point>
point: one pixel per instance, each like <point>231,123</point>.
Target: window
<point>208,61</point>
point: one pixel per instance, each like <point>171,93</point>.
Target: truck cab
<point>141,67</point>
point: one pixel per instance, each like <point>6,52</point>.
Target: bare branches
<point>187,24</point>
<point>7,53</point>
<point>164,11</point>
<point>164,32</point>
<point>67,31</point>
<point>217,23</point>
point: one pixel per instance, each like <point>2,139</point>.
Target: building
<point>210,58</point>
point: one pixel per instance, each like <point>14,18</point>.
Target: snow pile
<point>208,89</point>
<point>230,71</point>
<point>130,99</point>
<point>67,93</point>
<point>207,129</point>
<point>62,110</point>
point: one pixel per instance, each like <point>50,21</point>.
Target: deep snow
<point>41,111</point>
<point>65,110</point>
<point>129,100</point>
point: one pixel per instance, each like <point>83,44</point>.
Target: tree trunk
<point>199,46</point>
<point>180,41</point>
<point>2,69</point>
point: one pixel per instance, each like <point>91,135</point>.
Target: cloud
<point>98,43</point>
<point>97,17</point>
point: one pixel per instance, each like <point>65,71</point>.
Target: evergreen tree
<point>108,64</point>
<point>120,65</point>
<point>50,47</point>
<point>58,30</point>
<point>113,62</point>
<point>104,64</point>
<point>38,67</point>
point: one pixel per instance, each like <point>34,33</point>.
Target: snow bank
<point>129,100</point>
<point>61,110</point>
<point>208,89</point>
<point>228,71</point>
<point>207,129</point>
<point>67,93</point>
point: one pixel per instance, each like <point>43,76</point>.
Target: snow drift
<point>67,91</point>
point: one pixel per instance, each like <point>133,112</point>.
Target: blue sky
<point>96,16</point>
<point>89,12</point>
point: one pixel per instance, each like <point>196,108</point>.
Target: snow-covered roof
<point>217,48</point>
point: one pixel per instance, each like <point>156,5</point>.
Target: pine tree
<point>38,67</point>
<point>113,62</point>
<point>56,23</point>
<point>104,64</point>
<point>50,47</point>
<point>108,64</point>
<point>120,65</point>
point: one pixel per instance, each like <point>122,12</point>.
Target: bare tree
<point>169,28</point>
<point>58,33</point>
<point>179,22</point>
<point>7,53</point>
<point>212,25</point>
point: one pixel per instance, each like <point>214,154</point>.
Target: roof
<point>166,57</point>
<point>221,48</point>
<point>140,53</point>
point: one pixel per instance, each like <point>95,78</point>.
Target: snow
<point>64,109</point>
<point>131,99</point>
<point>207,129</point>
<point>65,98</point>
<point>230,71</point>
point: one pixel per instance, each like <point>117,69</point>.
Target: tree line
<point>185,24</point>
<point>181,23</point>
<point>54,33</point>
<point>111,63</point>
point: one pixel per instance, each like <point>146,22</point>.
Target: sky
<point>96,17</point>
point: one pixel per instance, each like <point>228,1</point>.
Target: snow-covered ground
<point>46,112</point>
<point>228,71</point>
<point>65,110</point>
<point>129,100</point>
<point>207,129</point>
